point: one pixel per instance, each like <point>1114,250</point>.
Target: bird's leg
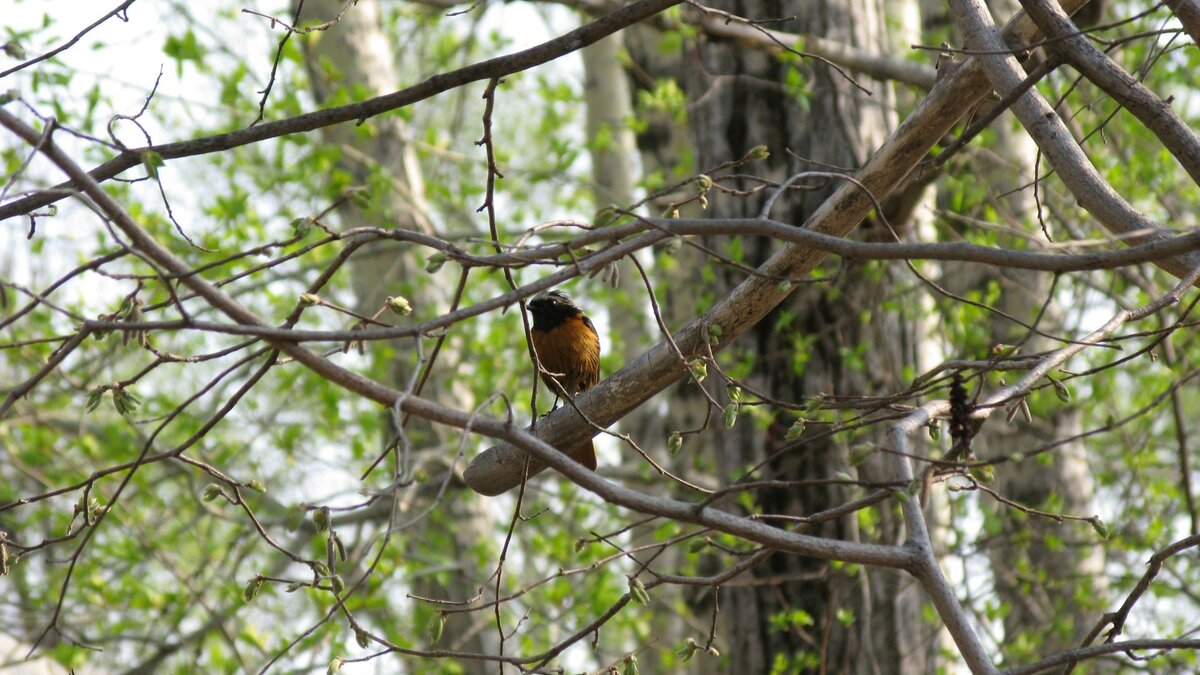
<point>558,394</point>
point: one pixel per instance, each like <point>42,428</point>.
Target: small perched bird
<point>568,347</point>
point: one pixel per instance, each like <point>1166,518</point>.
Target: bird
<point>568,347</point>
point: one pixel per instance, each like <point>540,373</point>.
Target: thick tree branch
<point>1073,48</point>
<point>500,468</point>
<point>1054,139</point>
<point>1188,13</point>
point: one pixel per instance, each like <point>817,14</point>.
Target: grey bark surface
<point>742,103</point>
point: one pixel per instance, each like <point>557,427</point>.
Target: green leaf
<point>984,473</point>
<point>845,616</point>
<point>151,160</point>
<point>860,453</point>
<point>795,430</point>
<point>1060,390</point>
<point>14,50</point>
<point>637,591</point>
<point>688,650</point>
<point>674,443</point>
<point>184,48</point>
<point>125,401</point>
<point>606,216</point>
<point>94,397</point>
<point>252,588</point>
<point>320,519</point>
<point>434,262</point>
<point>433,629</point>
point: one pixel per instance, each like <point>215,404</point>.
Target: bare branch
<point>1100,650</point>
<point>1117,619</point>
<point>1176,136</point>
<point>1054,139</point>
<point>117,12</point>
<point>500,66</point>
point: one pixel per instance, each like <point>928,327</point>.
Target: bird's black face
<point>551,308</point>
<point>552,301</point>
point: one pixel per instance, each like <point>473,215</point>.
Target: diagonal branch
<point>1054,139</point>
<point>117,12</point>
<point>1070,45</point>
<point>499,469</point>
<point>1188,13</point>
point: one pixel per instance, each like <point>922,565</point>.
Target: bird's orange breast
<point>571,352</point>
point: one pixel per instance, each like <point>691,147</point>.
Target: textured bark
<point>664,146</point>
<point>740,102</point>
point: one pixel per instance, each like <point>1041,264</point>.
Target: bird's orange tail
<point>585,454</point>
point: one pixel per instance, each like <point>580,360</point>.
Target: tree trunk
<point>812,617</point>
